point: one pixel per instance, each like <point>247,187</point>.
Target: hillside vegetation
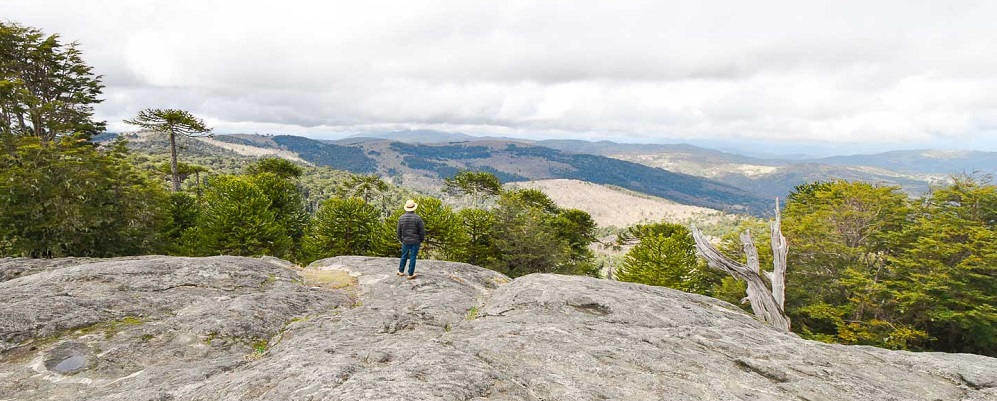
<point>424,166</point>
<point>604,203</point>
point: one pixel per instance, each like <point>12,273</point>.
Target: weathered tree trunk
<point>779,252</point>
<point>174,175</point>
<point>766,304</point>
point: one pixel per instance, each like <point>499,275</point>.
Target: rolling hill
<point>914,171</point>
<point>685,174</point>
<point>603,202</point>
<point>423,166</point>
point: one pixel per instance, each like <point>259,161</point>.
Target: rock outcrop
<point>348,328</point>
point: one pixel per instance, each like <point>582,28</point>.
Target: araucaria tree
<point>663,254</point>
<point>342,227</point>
<point>46,90</point>
<point>173,123</point>
<point>477,184</point>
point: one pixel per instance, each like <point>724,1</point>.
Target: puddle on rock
<point>67,358</point>
<point>71,364</point>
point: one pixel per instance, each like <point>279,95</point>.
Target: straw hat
<point>410,205</point>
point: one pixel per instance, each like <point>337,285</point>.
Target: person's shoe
<point>412,277</point>
<point>401,274</point>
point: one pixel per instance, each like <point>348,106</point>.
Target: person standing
<point>411,232</point>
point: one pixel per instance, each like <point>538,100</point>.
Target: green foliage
<point>525,244</point>
<point>65,198</point>
<point>945,279</point>
<point>46,89</point>
<point>445,239</point>
<point>173,123</point>
<point>665,255</point>
<point>479,226</point>
<point>577,228</point>
<point>343,227</point>
<point>839,234</point>
<point>868,266</point>
<point>282,168</point>
<point>185,169</point>
<point>170,121</point>
<point>321,183</point>
<point>526,237</point>
<point>286,202</point>
<point>731,245</point>
<point>186,213</point>
<point>530,198</point>
<point>367,187</point>
<point>476,184</point>
<point>731,290</point>
<point>237,219</point>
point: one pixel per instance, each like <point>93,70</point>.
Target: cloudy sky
<point>790,75</point>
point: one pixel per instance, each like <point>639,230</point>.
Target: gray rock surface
<point>227,328</point>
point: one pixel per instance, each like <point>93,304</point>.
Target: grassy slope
<point>603,203</point>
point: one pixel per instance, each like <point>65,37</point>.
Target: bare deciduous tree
<point>765,303</point>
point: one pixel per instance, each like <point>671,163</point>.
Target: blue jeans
<point>409,252</point>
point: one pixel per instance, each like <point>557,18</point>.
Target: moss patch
<point>331,279</point>
<point>110,328</point>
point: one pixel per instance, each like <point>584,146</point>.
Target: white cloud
<point>847,72</point>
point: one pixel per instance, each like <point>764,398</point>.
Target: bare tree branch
<point>766,304</point>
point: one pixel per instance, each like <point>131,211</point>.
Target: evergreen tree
<point>282,168</point>
<point>577,228</point>
<point>945,280</point>
<point>276,178</point>
<point>173,123</point>
<point>237,220</point>
<point>476,184</point>
<point>664,255</point>
<point>46,89</point>
<point>524,238</point>
<point>185,212</point>
<point>65,198</point>
<point>368,187</point>
<point>479,227</point>
<point>185,170</point>
<point>343,227</point>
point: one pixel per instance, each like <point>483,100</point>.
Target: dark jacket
<point>411,229</point>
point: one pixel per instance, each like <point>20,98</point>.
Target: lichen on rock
<point>348,328</point>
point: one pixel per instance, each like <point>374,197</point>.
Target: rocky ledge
<point>348,328</point>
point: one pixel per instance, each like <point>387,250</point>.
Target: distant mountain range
<point>426,164</point>
<point>914,170</point>
<point>683,173</point>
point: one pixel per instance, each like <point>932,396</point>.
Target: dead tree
<point>767,304</point>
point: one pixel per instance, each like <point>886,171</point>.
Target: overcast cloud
<point>853,74</point>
